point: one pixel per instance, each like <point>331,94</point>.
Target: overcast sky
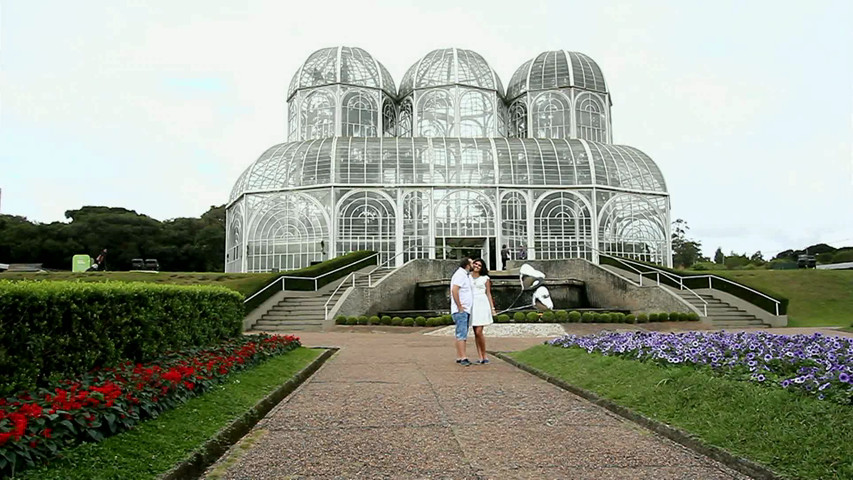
<point>158,106</point>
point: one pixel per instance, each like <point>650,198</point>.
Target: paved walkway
<point>395,405</point>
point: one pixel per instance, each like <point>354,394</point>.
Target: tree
<point>719,257</point>
<point>685,251</point>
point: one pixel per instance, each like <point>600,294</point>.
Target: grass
<point>245,283</point>
<point>817,297</point>
<point>156,446</point>
<point>795,435</point>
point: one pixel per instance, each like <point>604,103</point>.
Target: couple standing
<point>471,304</point>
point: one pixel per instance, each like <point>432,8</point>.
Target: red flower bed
<point>35,425</point>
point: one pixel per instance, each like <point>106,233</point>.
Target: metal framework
<point>449,161</point>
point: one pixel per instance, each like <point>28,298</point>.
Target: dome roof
<point>450,66</point>
<point>348,65</point>
<point>535,162</point>
<point>556,69</point>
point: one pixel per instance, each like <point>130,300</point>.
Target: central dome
<point>450,66</point>
<point>556,69</point>
<point>346,65</point>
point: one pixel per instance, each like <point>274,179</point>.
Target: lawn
<point>245,283</point>
<point>817,297</point>
<point>793,434</point>
<point>156,446</point>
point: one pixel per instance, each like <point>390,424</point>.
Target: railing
<point>711,279</point>
<point>326,307</point>
<point>283,279</point>
<point>672,277</point>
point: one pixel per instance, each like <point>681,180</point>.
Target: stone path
<point>395,405</point>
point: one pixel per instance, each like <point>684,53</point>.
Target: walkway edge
<point>742,465</point>
<point>195,464</point>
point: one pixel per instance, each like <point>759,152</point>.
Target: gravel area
<point>509,330</point>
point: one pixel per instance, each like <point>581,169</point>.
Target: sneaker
<point>483,361</point>
<point>464,362</point>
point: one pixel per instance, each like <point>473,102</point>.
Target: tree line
<point>180,244</point>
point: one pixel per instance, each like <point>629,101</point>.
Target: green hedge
<point>695,282</point>
<point>315,271</point>
<point>62,329</point>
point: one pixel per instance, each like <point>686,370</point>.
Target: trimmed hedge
<point>694,281</point>
<point>61,329</point>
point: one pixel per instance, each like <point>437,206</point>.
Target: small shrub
<point>603,318</point>
<point>533,317</point>
<point>385,320</point>
<point>587,317</point>
<point>408,322</point>
<point>694,317</point>
<point>642,318</point>
<point>519,317</point>
<point>663,317</point>
<point>630,318</point>
<point>562,316</point>
<point>396,321</point>
<point>574,316</point>
<point>617,317</point>
<point>420,321</point>
<point>373,320</point>
<point>548,317</point>
<point>340,320</point>
<point>432,321</point>
<point>675,317</point>
<point>447,319</point>
<point>352,320</point>
<point>502,318</point>
<point>653,317</point>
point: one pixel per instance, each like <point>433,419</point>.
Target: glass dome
<point>556,69</point>
<point>450,66</point>
<point>342,65</point>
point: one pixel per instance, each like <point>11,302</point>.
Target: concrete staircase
<point>304,311</point>
<point>720,313</point>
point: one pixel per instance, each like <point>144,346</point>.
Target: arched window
<point>463,213</point>
<point>318,116</point>
<point>513,221</point>
<point>286,233</point>
<point>389,119</point>
<point>591,121</point>
<point>360,117</point>
<point>291,120</point>
<point>404,124</point>
<point>634,227</point>
<point>518,120</point>
<point>367,221</point>
<point>476,115</point>
<point>435,114</point>
<point>416,219</point>
<point>563,227</point>
<point>551,116</point>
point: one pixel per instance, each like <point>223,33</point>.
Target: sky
<point>158,106</point>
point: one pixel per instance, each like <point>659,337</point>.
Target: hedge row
<point>52,330</point>
<point>700,281</point>
<point>358,260</point>
<point>558,316</point>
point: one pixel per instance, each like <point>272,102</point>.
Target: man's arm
<point>454,293</point>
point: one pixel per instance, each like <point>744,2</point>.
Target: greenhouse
<point>449,164</point>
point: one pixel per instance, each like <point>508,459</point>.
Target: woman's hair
<point>484,270</point>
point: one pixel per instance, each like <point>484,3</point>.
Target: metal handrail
<point>344,281</point>
<point>716,277</point>
<point>283,278</point>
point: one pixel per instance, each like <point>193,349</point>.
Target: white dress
<point>481,313</point>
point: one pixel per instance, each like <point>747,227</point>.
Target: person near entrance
<point>461,305</point>
<point>504,256</point>
<point>484,306</point>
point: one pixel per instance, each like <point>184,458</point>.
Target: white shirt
<point>466,290</point>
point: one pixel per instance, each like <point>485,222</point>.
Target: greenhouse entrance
<point>454,248</point>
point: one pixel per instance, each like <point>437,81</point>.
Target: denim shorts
<point>461,319</point>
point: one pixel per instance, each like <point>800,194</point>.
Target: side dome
<point>556,69</point>
<point>344,65</point>
<point>451,66</point>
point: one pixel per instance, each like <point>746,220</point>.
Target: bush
<point>548,317</point>
<point>372,320</point>
<point>602,318</point>
<point>408,322</point>
<point>396,321</point>
<point>587,317</point>
<point>630,318</point>
<point>352,320</point>
<point>653,317</point>
<point>692,317</point>
<point>642,318</point>
<point>447,319</point>
<point>562,316</point>
<point>420,321</point>
<point>574,316</point>
<point>67,328</point>
<point>617,317</point>
<point>341,320</point>
<point>533,317</point>
<point>432,322</point>
<point>663,317</point>
<point>675,316</point>
<point>519,317</point>
<point>386,320</point>
<point>502,318</point>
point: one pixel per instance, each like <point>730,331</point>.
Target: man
<point>461,301</point>
<point>504,256</point>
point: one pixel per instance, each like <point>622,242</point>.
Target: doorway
<point>454,248</point>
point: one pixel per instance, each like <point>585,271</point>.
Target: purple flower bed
<point>816,364</point>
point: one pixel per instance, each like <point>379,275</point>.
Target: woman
<point>484,306</point>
